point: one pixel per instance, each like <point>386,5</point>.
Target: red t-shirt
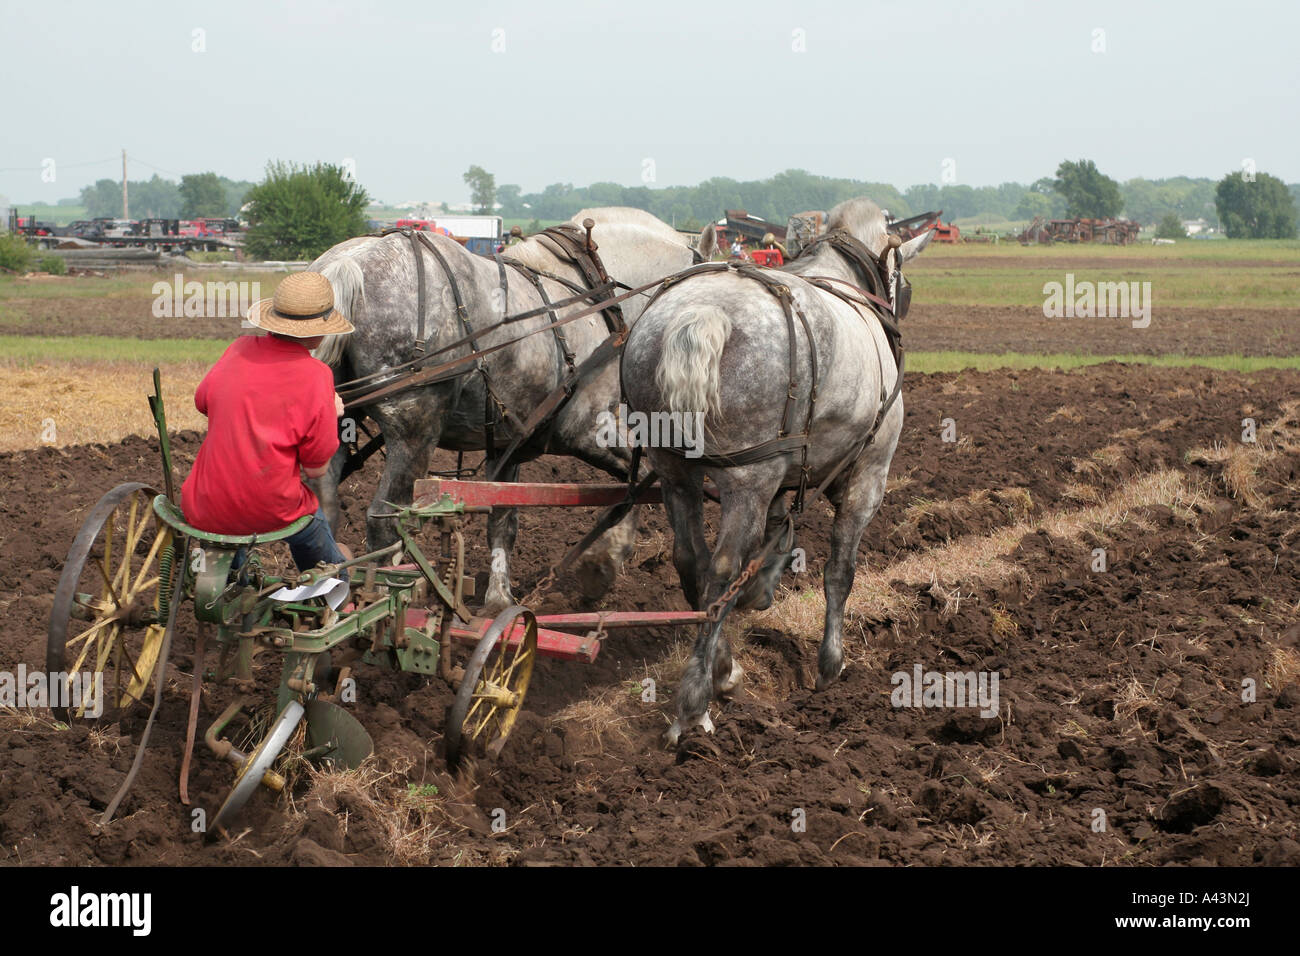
<point>270,408</point>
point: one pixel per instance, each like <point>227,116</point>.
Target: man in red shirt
<point>272,410</point>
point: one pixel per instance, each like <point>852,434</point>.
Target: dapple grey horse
<point>717,344</point>
<point>375,286</point>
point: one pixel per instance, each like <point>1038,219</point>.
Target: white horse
<point>375,286</point>
<point>717,344</point>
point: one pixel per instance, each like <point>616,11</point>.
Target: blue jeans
<point>311,545</point>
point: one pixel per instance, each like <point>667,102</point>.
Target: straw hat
<point>302,307</point>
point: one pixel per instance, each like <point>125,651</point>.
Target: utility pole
<point>125,213</point>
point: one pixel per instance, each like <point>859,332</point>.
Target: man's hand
<point>338,406</point>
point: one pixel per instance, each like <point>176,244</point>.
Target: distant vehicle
<point>459,227</point>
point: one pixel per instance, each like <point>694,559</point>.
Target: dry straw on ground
<point>64,403</point>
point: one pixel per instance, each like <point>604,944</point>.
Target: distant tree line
<point>198,195</point>
<point>1254,205</point>
<point>1078,189</point>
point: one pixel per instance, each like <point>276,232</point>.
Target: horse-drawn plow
<point>402,605</point>
<point>136,562</point>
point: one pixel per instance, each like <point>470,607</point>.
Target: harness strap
<point>561,342</point>
<point>419,297</point>
<point>605,351</point>
<point>462,313</point>
<point>364,393</point>
<point>582,253</point>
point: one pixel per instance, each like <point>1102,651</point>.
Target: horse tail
<point>349,286</point>
<point>688,376</point>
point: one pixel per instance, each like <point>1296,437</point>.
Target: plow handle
<point>160,419</point>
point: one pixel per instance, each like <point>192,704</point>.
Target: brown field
<point>1121,692</point>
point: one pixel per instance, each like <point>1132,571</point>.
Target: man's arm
<point>322,440</point>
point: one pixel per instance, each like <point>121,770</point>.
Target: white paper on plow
<point>334,590</point>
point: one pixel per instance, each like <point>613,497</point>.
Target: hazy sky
<point>556,91</point>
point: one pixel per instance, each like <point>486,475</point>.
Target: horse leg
<point>854,510</point>
<point>601,564</point>
<point>684,504</point>
<point>326,488</point>
<point>757,594</point>
<point>503,525</point>
<point>410,435</point>
<point>746,494</point>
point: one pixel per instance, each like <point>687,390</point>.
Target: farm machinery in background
<point>157,234</point>
<point>766,239</point>
<point>1110,232</point>
<point>773,245</point>
<point>907,229</point>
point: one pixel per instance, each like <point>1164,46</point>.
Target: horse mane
<point>625,216</point>
<point>860,218</point>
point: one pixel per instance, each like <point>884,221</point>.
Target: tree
<point>508,196</point>
<point>1032,205</point>
<point>297,212</point>
<point>104,198</point>
<point>1262,209</point>
<point>482,189</point>
<point>236,193</point>
<point>1088,192</point>
<point>149,198</point>
<point>1171,227</point>
<point>202,196</point>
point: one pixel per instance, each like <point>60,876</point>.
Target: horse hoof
<point>496,600</point>
<point>823,681</point>
<point>673,735</point>
<point>727,686</point>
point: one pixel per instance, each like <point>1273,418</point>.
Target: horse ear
<point>708,244</point>
<point>913,247</point>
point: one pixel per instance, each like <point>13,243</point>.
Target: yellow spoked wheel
<point>492,691</point>
<point>110,608</point>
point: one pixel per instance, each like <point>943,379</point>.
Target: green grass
<point>926,362</point>
<point>33,349</point>
<point>1186,285</point>
<point>124,285</point>
<point>1217,250</point>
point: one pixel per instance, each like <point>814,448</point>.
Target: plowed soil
<point>1173,331</point>
<point>1149,713</point>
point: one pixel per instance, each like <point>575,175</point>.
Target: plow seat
<point>169,513</point>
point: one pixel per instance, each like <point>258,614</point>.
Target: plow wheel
<point>492,691</point>
<point>110,606</point>
<point>256,767</point>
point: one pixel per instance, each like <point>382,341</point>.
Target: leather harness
<point>875,273</point>
<point>569,244</point>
